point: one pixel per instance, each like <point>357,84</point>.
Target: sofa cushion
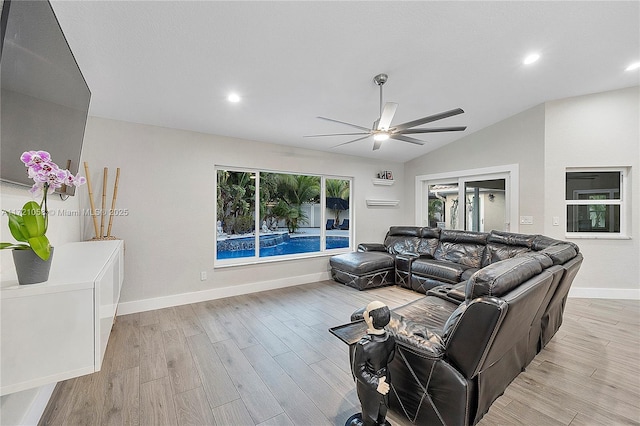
<point>427,246</point>
<point>501,277</point>
<point>440,270</point>
<point>542,241</point>
<point>458,236</point>
<point>467,273</point>
<point>427,232</point>
<point>430,312</point>
<point>511,238</point>
<point>469,255</point>
<point>544,260</point>
<point>495,252</point>
<point>560,253</point>
<point>399,244</point>
<point>429,239</point>
<point>466,248</point>
<point>371,247</point>
<point>407,231</point>
<point>360,263</point>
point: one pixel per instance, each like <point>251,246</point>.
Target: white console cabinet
<point>59,329</point>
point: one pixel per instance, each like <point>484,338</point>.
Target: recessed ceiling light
<point>531,58</point>
<point>233,97</point>
<point>633,66</point>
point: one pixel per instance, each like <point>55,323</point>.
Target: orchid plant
<point>30,227</point>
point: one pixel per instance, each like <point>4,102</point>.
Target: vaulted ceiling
<point>173,63</point>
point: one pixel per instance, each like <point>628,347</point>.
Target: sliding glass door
<point>485,205</point>
<point>471,201</point>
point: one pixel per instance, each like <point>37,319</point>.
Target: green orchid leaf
<point>40,245</point>
<point>34,221</point>
<point>16,246</point>
<point>16,226</point>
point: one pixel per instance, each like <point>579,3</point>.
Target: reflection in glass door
<point>443,205</point>
<point>478,200</point>
<point>485,205</point>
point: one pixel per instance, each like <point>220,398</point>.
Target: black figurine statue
<point>371,356</point>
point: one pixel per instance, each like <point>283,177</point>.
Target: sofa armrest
<point>358,315</point>
<point>458,292</point>
<point>371,247</point>
<point>454,293</point>
<point>470,330</point>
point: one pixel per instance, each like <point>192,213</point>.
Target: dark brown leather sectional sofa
<point>493,301</point>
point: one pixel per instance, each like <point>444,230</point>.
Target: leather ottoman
<point>363,270</point>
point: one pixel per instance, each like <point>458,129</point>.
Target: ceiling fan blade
<point>355,140</point>
<point>406,139</point>
<point>348,124</point>
<point>335,134</point>
<point>388,112</point>
<point>428,119</point>
<point>377,144</point>
<point>433,130</point>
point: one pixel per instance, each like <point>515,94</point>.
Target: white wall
<point>166,184</point>
<point>598,130</point>
<point>516,140</point>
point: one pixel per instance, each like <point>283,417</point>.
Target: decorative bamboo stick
<point>104,201</point>
<point>64,186</point>
<point>93,207</point>
<point>113,202</point>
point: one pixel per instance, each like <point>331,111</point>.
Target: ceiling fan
<point>383,130</point>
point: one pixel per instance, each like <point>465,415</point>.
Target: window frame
<point>622,202</point>
<point>256,259</point>
<point>509,172</point>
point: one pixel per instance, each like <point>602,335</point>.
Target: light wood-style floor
<point>268,359</point>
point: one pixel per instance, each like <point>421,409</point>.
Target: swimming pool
<point>284,244</point>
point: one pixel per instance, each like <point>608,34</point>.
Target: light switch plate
<point>526,220</point>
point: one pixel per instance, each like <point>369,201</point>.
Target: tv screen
<point>44,97</point>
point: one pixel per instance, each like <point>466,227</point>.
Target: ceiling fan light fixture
<point>383,130</point>
<point>531,59</point>
<point>633,66</point>
<point>381,136</point>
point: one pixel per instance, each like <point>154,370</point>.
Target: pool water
<point>291,246</point>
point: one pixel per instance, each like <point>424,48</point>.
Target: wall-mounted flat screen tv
<point>44,98</point>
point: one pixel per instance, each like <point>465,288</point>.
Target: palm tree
<point>235,200</point>
<point>337,188</point>
<point>293,191</point>
<point>269,198</point>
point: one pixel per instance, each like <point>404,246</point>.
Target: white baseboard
<point>216,293</point>
<point>236,290</point>
<point>605,293</point>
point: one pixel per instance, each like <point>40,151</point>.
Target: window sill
<point>589,236</point>
<point>271,259</point>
